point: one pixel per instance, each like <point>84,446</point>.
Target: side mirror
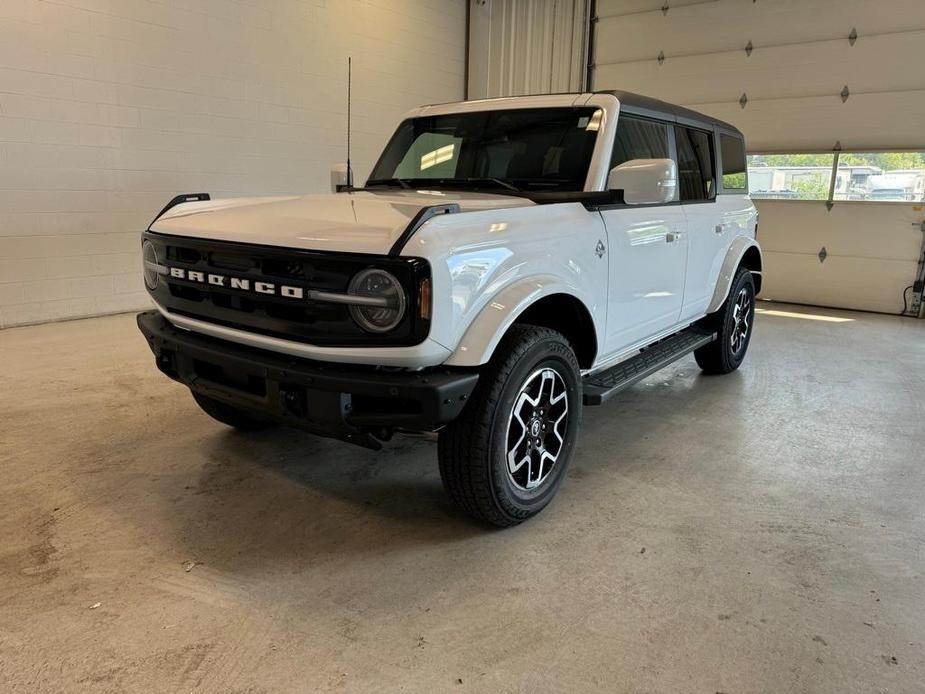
<point>645,181</point>
<point>340,177</point>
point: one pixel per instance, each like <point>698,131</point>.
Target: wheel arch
<point>751,259</point>
<point>537,301</point>
<point>565,314</point>
<point>743,252</point>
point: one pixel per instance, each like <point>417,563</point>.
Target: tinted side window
<point>695,164</point>
<point>733,153</point>
<point>639,139</point>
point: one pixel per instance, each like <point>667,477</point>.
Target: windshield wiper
<point>389,182</point>
<point>498,181</point>
<point>441,182</point>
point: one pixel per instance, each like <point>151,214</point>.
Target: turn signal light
<point>424,301</point>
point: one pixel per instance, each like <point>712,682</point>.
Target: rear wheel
<point>227,414</point>
<point>504,458</point>
<point>733,325</point>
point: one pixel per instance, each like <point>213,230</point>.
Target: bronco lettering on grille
<point>240,283</point>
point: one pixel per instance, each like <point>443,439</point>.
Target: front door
<point>648,254</point>
<point>647,246</point>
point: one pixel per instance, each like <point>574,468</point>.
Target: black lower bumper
<point>349,402</point>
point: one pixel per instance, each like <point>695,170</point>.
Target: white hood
<point>357,222</point>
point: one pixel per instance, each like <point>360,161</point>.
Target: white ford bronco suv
<point>508,262</point>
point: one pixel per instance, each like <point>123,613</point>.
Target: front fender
<point>485,332</point>
<point>734,254</point>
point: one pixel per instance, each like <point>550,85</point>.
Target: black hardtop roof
<point>642,105</point>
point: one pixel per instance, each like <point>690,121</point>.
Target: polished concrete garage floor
<point>760,532</point>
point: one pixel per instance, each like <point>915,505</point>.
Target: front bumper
<point>348,402</point>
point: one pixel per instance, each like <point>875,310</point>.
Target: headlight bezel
<point>397,301</point>
<point>150,265</point>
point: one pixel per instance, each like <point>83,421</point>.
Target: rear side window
<point>695,164</point>
<point>639,139</point>
<point>732,151</point>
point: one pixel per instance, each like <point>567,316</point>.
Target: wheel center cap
<point>535,427</point>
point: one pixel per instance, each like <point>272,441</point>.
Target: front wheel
<point>504,458</point>
<point>733,325</point>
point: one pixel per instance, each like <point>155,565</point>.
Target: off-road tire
<point>719,357</point>
<point>473,449</point>
<point>227,414</point>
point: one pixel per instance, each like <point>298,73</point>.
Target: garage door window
<point>695,164</point>
<point>790,176</point>
<point>639,139</point>
<point>880,176</point>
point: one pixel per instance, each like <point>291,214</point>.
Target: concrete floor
<point>760,532</point>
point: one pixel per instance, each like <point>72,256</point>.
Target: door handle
<point>673,236</point>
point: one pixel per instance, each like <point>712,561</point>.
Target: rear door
<point>697,183</point>
<point>647,247</point>
<point>735,209</point>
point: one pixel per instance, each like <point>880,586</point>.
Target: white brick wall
<point>108,108</point>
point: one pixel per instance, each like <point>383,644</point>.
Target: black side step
<point>600,387</point>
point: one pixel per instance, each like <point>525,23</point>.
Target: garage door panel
<point>878,64</point>
<point>794,77</point>
<point>884,231</point>
<point>891,121</point>
<point>727,25</point>
<point>623,8</point>
<point>856,283</point>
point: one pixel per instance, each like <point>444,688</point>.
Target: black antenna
<point>349,168</point>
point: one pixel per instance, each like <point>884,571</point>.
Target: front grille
<point>299,319</point>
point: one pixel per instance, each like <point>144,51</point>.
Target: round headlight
<point>151,265</point>
<point>386,297</point>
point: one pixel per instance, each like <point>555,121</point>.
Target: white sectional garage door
<point>796,76</point>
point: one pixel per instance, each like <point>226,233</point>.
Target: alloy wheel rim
<point>536,428</point>
<point>741,321</point>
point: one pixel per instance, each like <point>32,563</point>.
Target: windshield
<point>540,149</point>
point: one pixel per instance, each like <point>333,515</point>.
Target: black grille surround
<point>318,322</point>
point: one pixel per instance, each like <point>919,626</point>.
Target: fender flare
<point>484,333</point>
<point>731,262</point>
